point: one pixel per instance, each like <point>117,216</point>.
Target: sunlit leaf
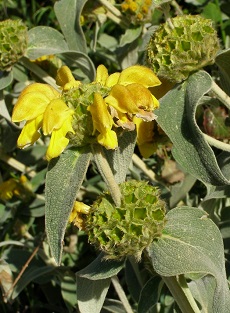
<point>101,268</point>
<point>93,283</point>
<point>192,244</point>
<point>91,294</point>
<point>120,159</point>
<point>176,116</point>
<point>68,13</point>
<point>63,180</point>
<point>130,35</point>
<point>44,40</point>
<point>6,79</point>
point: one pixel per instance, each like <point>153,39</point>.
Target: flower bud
<point>185,44</point>
<point>126,230</point>
<point>13,42</point>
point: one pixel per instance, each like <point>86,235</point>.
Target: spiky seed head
<point>181,46</point>
<point>129,229</point>
<point>13,42</point>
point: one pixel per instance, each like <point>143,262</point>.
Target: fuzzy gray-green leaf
<point>176,116</point>
<point>192,244</point>
<point>64,179</point>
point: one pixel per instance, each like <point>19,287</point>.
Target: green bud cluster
<point>79,99</point>
<point>183,45</point>
<point>13,42</point>
<point>126,230</point>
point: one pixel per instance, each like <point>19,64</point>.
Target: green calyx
<point>186,44</point>
<point>129,229</point>
<point>13,42</point>
<point>79,99</point>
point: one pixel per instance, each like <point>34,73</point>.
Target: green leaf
<point>68,291</point>
<point>81,60</point>
<point>202,294</point>
<point>149,295</point>
<point>101,269</point>
<point>6,79</point>
<point>120,159</point>
<point>44,40</point>
<point>180,190</point>
<point>192,244</point>
<point>31,274</point>
<point>113,306</point>
<point>223,62</point>
<point>107,41</point>
<point>133,279</point>
<point>130,35</point>
<point>91,294</point>
<point>20,73</point>
<point>93,283</point>
<point>68,13</point>
<point>3,108</point>
<point>213,12</point>
<point>64,178</point>
<point>176,116</point>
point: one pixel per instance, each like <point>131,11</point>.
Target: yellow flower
<point>77,216</point>
<point>102,122</point>
<point>18,187</point>
<point>57,120</point>
<point>40,105</point>
<point>65,79</point>
<point>128,96</point>
<point>112,101</point>
<point>145,134</point>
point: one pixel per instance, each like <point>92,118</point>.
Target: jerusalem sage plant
<point>94,118</point>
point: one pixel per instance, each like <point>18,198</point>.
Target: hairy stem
<point>216,143</point>
<point>141,165</point>
<point>121,294</point>
<point>181,293</point>
<point>106,173</point>
<point>221,95</point>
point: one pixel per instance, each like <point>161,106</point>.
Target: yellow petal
<point>145,135</point>
<point>143,97</point>
<point>65,79</point>
<point>144,129</point>
<point>7,189</point>
<point>57,144</point>
<point>55,115</point>
<point>58,141</point>
<point>45,89</point>
<point>108,139</point>
<point>33,101</point>
<point>112,79</point>
<point>102,120</point>
<point>30,133</point>
<point>101,75</point>
<point>147,149</point>
<point>122,100</point>
<point>138,74</point>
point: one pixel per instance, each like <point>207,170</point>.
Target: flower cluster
<point>15,187</point>
<point>40,105</point>
<point>108,105</point>
<point>137,9</point>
